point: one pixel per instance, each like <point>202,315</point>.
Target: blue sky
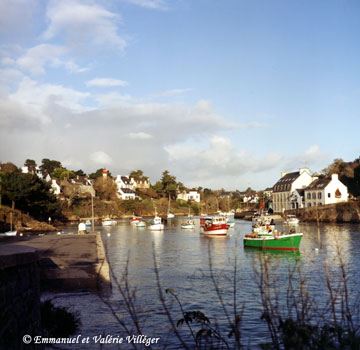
<point>223,94</point>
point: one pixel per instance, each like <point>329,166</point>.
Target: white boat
<point>214,226</point>
<point>188,225</point>
<point>108,222</point>
<point>9,233</point>
<point>157,225</point>
<point>292,220</point>
<point>140,223</point>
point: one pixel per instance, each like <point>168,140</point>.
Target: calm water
<point>184,257</point>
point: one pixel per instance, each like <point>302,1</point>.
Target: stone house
<point>286,191</point>
<point>325,191</point>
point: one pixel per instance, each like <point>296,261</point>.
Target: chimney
<point>335,177</point>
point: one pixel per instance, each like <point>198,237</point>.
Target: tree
<point>8,167</point>
<point>49,165</point>
<point>169,184</point>
<point>28,193</point>
<point>30,163</point>
<point>138,175</point>
<point>62,173</point>
<point>105,188</point>
<point>79,172</point>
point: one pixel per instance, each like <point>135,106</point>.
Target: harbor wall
<point>19,296</point>
<point>346,212</point>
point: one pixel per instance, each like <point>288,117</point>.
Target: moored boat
<point>157,224</point>
<point>188,225</point>
<point>214,226</point>
<point>88,223</point>
<point>140,223</point>
<point>291,220</point>
<point>135,220</point>
<point>289,241</point>
<point>108,222</point>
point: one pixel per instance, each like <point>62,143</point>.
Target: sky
<point>221,93</point>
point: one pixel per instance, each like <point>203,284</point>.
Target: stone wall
<point>336,213</point>
<point>19,296</point>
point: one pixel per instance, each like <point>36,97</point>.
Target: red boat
<point>214,226</point>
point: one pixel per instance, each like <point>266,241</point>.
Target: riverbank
<point>347,212</point>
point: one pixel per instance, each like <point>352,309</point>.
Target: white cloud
<point>38,57</point>
<point>105,82</point>
<point>169,93</point>
<point>101,158</point>
<point>83,23</point>
<point>152,4</point>
<point>311,157</point>
<point>220,160</point>
<point>140,135</point>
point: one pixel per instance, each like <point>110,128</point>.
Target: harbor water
<point>203,273</point>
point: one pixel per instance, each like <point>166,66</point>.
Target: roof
<point>318,184</point>
<point>284,184</point>
<point>268,189</point>
<point>127,190</point>
<point>125,180</point>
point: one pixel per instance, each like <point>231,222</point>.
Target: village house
<point>144,183</point>
<point>55,187</point>
<point>189,196</point>
<point>287,191</point>
<point>125,188</point>
<point>126,193</point>
<point>325,191</point>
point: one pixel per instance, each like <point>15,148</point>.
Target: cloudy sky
<point>222,93</point>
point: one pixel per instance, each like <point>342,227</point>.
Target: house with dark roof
<point>286,191</point>
<point>325,191</point>
<point>126,193</point>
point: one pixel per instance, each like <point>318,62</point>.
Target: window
<point>320,203</point>
<point>329,195</point>
<point>313,195</point>
<point>319,195</point>
<point>309,205</point>
<point>309,195</point>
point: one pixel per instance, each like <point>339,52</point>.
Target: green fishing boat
<point>289,241</point>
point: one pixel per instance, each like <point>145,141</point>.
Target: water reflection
<point>184,264</point>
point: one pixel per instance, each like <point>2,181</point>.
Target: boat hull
<point>215,230</point>
<point>286,242</point>
<point>156,227</point>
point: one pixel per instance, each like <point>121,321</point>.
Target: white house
<point>325,191</point>
<point>55,187</point>
<point>123,182</point>
<point>126,193</point>
<point>191,196</point>
<point>287,189</point>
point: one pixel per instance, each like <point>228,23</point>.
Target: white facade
<point>284,189</point>
<point>323,192</point>
<point>191,196</point>
<point>123,182</point>
<point>125,193</point>
<point>55,187</point>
